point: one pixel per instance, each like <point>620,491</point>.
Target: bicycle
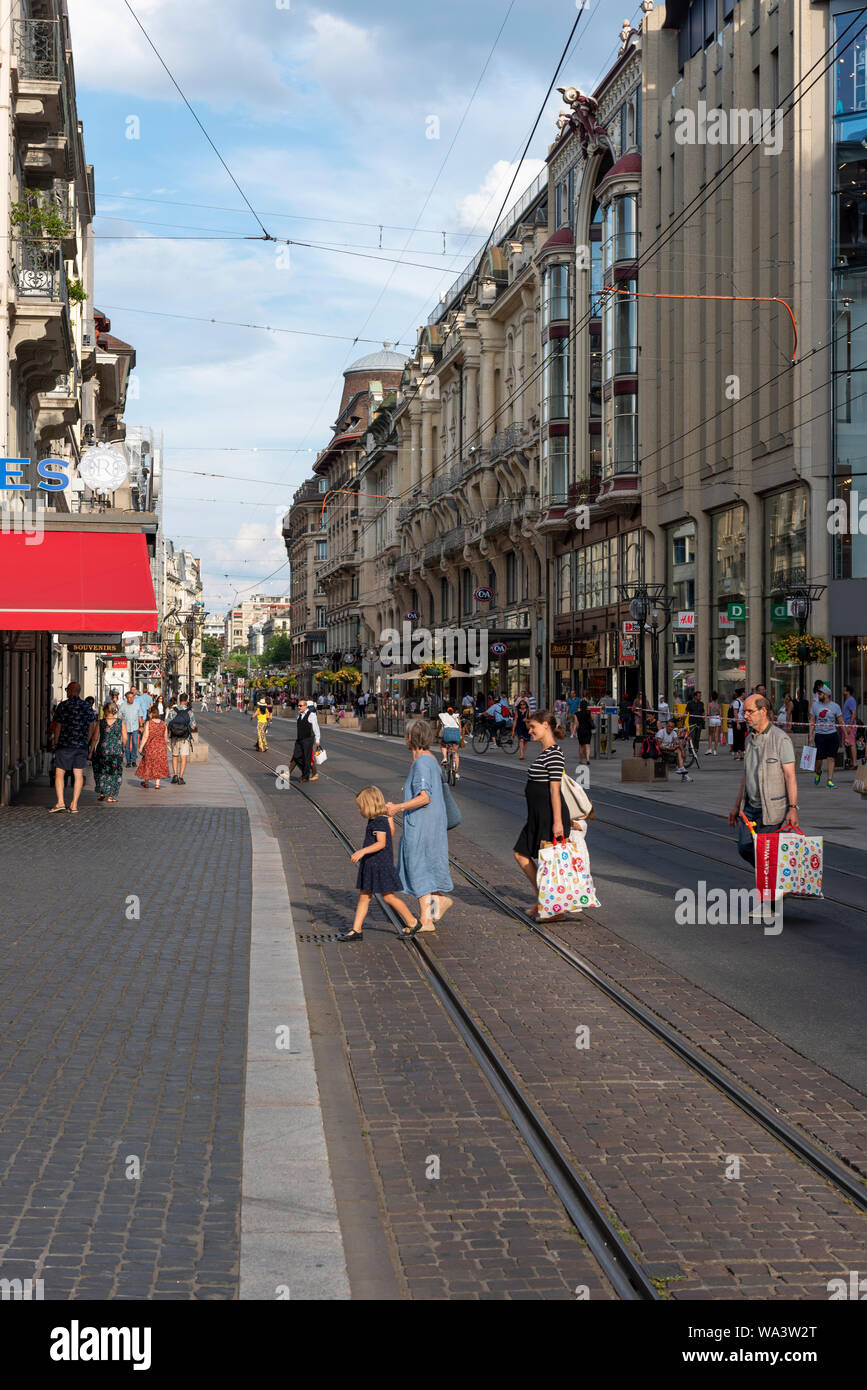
<point>504,738</point>
<point>468,722</point>
<point>449,768</point>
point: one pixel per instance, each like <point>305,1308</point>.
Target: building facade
<point>306,547</point>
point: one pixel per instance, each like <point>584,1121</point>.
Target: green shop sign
<point>737,612</point>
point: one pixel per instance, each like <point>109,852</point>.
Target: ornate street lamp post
<point>191,628</point>
<point>802,597</point>
<point>649,606</point>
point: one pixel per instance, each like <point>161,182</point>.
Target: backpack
<point>181,725</point>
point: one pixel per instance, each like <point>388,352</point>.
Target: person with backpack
<point>307,736</point>
<point>181,726</point>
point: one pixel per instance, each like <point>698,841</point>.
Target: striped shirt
<point>549,766</point>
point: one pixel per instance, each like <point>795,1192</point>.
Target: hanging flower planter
<point>805,648</point>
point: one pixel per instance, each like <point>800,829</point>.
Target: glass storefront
<point>680,582</point>
<point>728,641</point>
<point>785,551</point>
<point>849,321</point>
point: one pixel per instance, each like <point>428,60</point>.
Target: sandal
<point>55,809</point>
<point>349,935</point>
<point>411,931</point>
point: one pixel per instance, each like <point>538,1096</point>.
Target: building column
<point>486,424</point>
<point>415,463</point>
<point>471,406</point>
<point>427,459</point>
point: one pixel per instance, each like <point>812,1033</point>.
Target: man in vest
<point>769,787</point>
<point>306,739</point>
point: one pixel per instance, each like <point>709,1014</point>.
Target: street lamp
<point>802,597</point>
<point>191,628</point>
<point>649,606</point>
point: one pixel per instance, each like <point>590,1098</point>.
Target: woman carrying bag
<point>423,857</point>
<point>547,814</point>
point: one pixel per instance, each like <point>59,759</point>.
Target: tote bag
<point>563,882</point>
<point>453,815</point>
<point>808,758</point>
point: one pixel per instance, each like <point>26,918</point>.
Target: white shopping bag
<point>321,756</point>
<point>730,736</point>
<point>808,758</point>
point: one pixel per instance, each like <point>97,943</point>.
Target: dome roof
<point>627,164</point>
<point>562,237</point>
<point>383,361</point>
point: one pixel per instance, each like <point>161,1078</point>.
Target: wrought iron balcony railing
<point>39,271</point>
<point>38,49</point>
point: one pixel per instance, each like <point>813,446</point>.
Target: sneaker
<point>817,779</point>
<point>174,779</point>
<point>181,782</point>
<point>830,783</point>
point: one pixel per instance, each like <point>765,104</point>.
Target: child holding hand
<point>376,871</point>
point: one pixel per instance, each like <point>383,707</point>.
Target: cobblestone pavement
<point>655,1139</point>
<point>123,1040</point>
<point>488,1227</point>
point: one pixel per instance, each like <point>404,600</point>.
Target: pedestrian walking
<point>714,724</point>
<point>423,857</point>
<point>376,871</point>
<point>737,724</point>
<point>826,731</point>
<point>130,713</point>
<point>768,792</point>
<point>547,813</point>
<point>850,720</point>
<point>262,716</point>
<point>573,704</point>
<point>584,731</point>
<point>520,725</point>
<point>74,733</point>
<point>307,737</point>
<point>218,702</point>
<point>154,758</point>
<point>108,753</point>
<point>181,727</point>
<point>204,702</point>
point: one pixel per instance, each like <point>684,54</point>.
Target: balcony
<point>498,518</point>
<point>432,552</point>
<point>511,438</point>
<point>41,338</point>
<point>38,49</point>
<point>402,564</point>
<point>454,540</point>
<point>58,407</point>
<point>620,492</point>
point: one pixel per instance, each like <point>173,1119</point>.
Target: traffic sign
<point>737,612</point>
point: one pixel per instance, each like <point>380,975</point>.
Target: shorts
<point>70,759</point>
<point>181,747</point>
<point>450,736</point>
<point>714,721</point>
<point>827,745</point>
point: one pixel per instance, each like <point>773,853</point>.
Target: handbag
<point>808,758</point>
<point>321,756</point>
<point>453,814</point>
<point>579,803</point>
<point>563,882</point>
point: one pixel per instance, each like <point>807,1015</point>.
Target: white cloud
<point>480,208</point>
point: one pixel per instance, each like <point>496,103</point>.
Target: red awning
<point>76,581</point>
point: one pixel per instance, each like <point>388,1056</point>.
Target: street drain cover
<point>317,936</point>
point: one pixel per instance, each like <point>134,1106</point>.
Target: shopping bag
<point>563,882</point>
<point>730,735</point>
<point>577,800</point>
<point>808,758</point>
<point>860,783</point>
<point>788,861</point>
<point>321,756</point>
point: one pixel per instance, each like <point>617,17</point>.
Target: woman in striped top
<point>547,812</point>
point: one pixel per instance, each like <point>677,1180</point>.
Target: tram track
<point>845,1179</point>
<point>616,1262</point>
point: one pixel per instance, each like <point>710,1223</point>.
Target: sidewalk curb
<point>291,1244</point>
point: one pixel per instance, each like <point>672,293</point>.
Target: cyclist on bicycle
<point>499,717</point>
<point>450,727</point>
<point>669,743</point>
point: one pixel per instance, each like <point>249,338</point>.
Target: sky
<point>336,121</point>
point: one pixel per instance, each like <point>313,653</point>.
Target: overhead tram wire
<point>734,160</point>
<point>428,197</point>
<point>265,234</point>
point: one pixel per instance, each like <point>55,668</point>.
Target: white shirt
<point>664,712</point>
<point>449,721</point>
<point>667,739</point>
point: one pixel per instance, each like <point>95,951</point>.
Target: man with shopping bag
<point>768,792</point>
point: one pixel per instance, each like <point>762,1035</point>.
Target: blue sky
<point>321,112</point>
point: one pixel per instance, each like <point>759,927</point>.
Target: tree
<point>279,649</point>
<point>212,650</point>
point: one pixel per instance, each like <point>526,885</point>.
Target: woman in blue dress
<point>423,857</point>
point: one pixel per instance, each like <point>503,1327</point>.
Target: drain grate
<point>317,936</point>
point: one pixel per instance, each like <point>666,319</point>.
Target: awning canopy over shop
<point>76,581</point>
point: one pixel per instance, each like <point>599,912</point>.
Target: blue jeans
<point>132,736</point>
<point>746,843</point>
